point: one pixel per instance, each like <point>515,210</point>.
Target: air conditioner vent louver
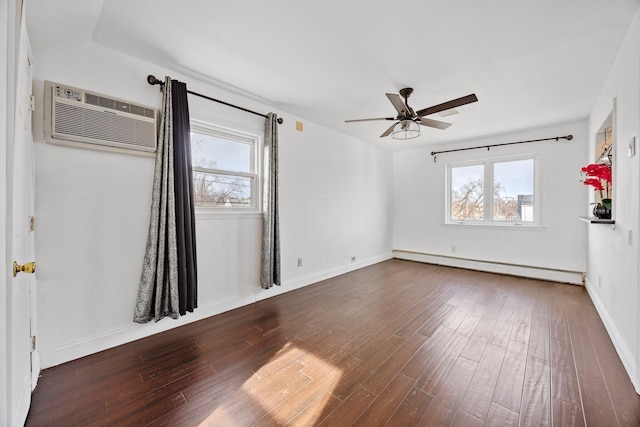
<point>93,119</point>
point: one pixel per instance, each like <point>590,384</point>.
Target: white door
<point>22,193</point>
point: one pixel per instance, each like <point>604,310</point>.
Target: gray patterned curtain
<point>270,268</point>
<point>168,285</point>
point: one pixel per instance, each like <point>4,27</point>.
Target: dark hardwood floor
<point>398,343</point>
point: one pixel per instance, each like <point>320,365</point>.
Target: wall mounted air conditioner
<point>81,118</point>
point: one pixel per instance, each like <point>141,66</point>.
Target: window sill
<point>217,214</point>
<point>594,220</point>
<point>494,226</point>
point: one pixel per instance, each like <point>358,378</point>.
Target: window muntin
<point>495,191</point>
<point>224,167</point>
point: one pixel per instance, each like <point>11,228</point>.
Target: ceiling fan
<point>409,121</point>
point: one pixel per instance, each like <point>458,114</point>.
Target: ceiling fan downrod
<point>405,93</point>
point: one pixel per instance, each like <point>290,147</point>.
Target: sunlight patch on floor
<point>312,413</point>
<point>281,392</point>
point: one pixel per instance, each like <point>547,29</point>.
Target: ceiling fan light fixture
<point>406,129</point>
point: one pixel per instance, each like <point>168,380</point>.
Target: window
<point>496,191</point>
<point>225,164</point>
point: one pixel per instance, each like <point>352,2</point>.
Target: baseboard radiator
<point>534,272</point>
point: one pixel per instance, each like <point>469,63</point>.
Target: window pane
<point>467,193</point>
<point>212,152</point>
<point>513,191</point>
<point>221,190</point>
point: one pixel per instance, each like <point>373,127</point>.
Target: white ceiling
<point>530,63</point>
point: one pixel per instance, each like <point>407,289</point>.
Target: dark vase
<point>601,211</point>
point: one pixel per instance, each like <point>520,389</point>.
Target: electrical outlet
<point>353,259</point>
<point>630,237</point>
<point>453,249</point>
<point>299,262</point>
<point>599,281</point>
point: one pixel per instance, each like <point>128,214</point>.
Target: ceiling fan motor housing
<point>406,92</point>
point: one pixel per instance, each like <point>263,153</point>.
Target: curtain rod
<point>151,79</point>
<point>557,138</point>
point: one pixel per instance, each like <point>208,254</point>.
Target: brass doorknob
<point>29,267</point>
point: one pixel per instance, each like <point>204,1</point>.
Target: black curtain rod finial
<point>151,79</point>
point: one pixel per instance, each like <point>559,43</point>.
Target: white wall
<point>419,206</point>
<point>92,211</point>
<point>612,265</point>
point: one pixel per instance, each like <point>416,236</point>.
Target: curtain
<point>270,264</point>
<point>168,284</point>
<point>185,208</point>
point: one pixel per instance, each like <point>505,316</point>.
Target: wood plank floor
<point>398,343</point>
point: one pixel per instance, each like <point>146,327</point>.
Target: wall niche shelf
<point>594,220</point>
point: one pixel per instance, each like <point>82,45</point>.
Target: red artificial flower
<point>595,183</point>
<point>598,171</point>
<point>599,177</point>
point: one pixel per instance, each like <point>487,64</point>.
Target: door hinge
<point>32,223</point>
<point>33,342</point>
<point>32,103</point>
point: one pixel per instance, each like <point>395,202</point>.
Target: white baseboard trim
<point>625,354</point>
<point>301,282</point>
<point>534,272</point>
<point>369,261</point>
<point>134,332</point>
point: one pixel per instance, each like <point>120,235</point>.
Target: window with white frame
<point>225,167</point>
<point>494,191</point>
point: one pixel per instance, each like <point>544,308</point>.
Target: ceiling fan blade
<point>398,103</point>
<point>369,120</point>
<point>448,105</point>
<point>388,131</point>
<point>434,123</point>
